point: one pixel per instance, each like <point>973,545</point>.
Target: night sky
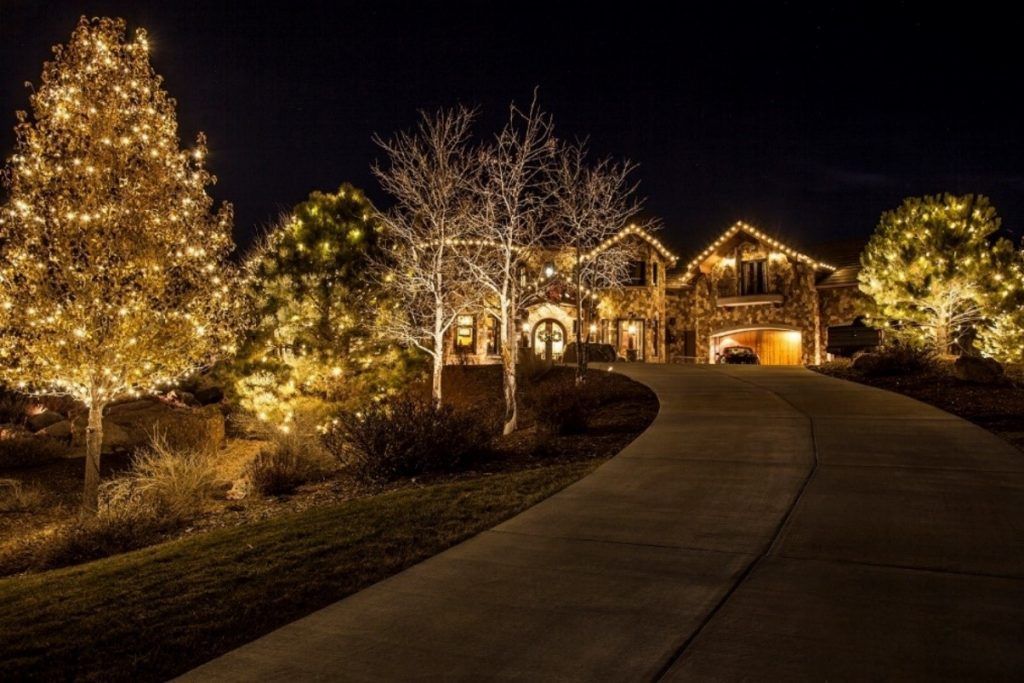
<point>808,123</point>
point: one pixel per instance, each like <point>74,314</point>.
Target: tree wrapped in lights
<point>593,202</point>
<point>112,257</point>
<point>510,228</point>
<point>934,270</point>
<point>315,309</point>
<point>431,176</point>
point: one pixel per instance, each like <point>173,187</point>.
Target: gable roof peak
<point>743,226</point>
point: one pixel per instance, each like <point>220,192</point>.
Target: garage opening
<point>772,346</point>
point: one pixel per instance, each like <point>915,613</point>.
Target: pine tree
<point>934,269</point>
<point>1003,337</point>
<point>315,306</point>
<point>112,271</point>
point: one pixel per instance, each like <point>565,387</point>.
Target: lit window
<point>465,333</point>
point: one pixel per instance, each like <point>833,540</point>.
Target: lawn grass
<point>157,612</point>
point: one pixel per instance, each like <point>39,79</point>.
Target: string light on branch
<point>109,242</point>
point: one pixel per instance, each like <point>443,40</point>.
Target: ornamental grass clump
<point>165,489</point>
<point>899,357</point>
<point>291,459</point>
<point>406,437</point>
<point>164,481</point>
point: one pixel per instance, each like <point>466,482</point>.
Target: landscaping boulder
<point>866,363</point>
<point>58,430</point>
<point>185,398</point>
<point>209,395</point>
<point>43,420</point>
<point>9,488</point>
<point>977,370</point>
<point>130,425</point>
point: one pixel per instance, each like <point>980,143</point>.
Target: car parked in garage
<point>738,355</point>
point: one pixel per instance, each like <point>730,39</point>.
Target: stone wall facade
<point>695,309</point>
<point>609,318</point>
<point>676,317</point>
<point>640,307</point>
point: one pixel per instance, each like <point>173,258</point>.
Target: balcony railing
<point>750,299</point>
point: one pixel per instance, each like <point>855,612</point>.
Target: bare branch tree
<point>431,175</point>
<point>593,202</point>
<point>510,227</point>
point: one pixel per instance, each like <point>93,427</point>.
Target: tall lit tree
<point>112,272</point>
<point>315,307</point>
<point>430,175</point>
<point>934,268</point>
<point>593,203</point>
<point>510,228</point>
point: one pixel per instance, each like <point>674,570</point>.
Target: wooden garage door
<point>773,347</point>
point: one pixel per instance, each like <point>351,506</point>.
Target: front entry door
<point>549,340</point>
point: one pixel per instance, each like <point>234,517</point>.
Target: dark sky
<point>807,122</point>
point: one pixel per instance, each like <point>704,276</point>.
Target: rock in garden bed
<point>129,425</point>
<point>977,370</point>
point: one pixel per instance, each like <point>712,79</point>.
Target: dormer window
<point>753,277</point>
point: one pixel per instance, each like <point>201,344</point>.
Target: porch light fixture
<point>549,270</point>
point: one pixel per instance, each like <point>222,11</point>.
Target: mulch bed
<point>622,409</point>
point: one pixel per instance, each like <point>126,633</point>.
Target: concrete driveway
<point>772,524</point>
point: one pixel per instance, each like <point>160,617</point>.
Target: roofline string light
<point>634,229</point>
<point>754,232</point>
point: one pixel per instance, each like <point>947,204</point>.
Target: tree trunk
<point>93,448</point>
<point>435,390</point>
<point>942,336</point>
<point>509,386</point>
<point>509,352</point>
<point>581,350</point>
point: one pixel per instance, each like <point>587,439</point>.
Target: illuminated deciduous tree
<point>112,256</point>
<point>593,203</point>
<point>934,268</point>
<point>510,228</point>
<point>315,308</point>
<point>430,174</point>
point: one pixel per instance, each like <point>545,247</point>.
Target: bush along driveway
<point>772,524</point>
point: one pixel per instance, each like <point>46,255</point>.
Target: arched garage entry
<point>774,345</point>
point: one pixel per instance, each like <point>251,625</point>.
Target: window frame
<point>459,326</point>
<point>493,336</point>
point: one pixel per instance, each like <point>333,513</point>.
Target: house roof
<point>634,229</point>
<point>740,226</point>
<point>845,256</point>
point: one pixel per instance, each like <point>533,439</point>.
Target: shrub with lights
<point>935,271</point>
<point>113,277</point>
<point>315,304</point>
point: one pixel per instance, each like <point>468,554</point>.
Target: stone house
<point>746,288</point>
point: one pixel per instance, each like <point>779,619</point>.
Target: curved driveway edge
<point>772,523</point>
